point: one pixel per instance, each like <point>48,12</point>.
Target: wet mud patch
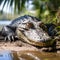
<point>16,46</point>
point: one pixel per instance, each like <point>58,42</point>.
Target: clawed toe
<point>10,38</point>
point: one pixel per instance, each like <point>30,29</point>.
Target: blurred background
<point>46,10</point>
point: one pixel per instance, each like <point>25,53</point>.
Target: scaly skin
<point>29,29</point>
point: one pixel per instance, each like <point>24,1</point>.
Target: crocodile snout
<point>34,36</point>
<point>37,35</point>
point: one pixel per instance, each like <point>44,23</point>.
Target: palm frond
<point>5,1</point>
<point>11,2</point>
<point>1,1</point>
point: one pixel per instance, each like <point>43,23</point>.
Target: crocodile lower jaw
<point>25,39</point>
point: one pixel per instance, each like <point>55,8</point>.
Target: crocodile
<point>28,29</point>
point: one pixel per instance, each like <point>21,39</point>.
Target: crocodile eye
<point>30,25</point>
<point>42,25</point>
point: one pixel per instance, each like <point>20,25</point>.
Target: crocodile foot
<point>10,37</point>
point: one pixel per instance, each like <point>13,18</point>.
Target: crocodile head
<point>33,33</point>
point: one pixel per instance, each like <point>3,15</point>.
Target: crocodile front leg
<point>8,32</point>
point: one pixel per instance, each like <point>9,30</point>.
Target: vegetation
<point>47,10</point>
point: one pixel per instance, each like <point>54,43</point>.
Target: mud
<point>24,51</point>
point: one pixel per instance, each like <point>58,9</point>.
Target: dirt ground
<point>16,46</point>
<point>22,46</point>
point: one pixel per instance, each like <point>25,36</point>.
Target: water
<point>6,55</point>
<point>36,55</point>
<point>28,55</point>
<point>4,23</point>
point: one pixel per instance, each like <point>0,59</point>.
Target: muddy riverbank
<point>24,51</point>
<point>19,45</point>
<point>16,46</point>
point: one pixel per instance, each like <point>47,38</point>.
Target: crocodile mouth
<point>27,36</point>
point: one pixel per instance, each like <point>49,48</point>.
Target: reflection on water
<point>28,55</point>
<point>36,56</point>
<point>6,55</point>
